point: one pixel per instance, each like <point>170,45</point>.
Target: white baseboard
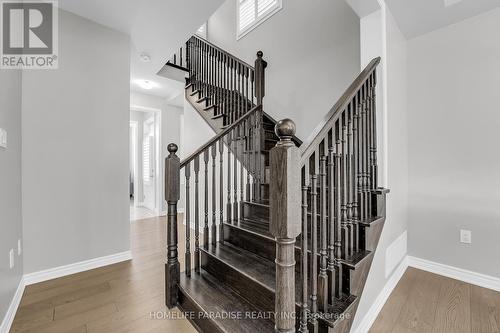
<point>54,273</point>
<point>456,273</point>
<point>11,311</point>
<point>378,304</point>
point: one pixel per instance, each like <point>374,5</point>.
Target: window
<point>251,13</point>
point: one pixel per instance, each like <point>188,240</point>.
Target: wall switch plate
<point>465,236</point>
<point>19,247</point>
<point>11,258</point>
<point>3,138</point>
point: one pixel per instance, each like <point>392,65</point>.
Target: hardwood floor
<point>426,302</point>
<point>129,297</point>
<point>126,297</point>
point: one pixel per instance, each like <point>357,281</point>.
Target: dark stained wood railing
<point>242,133</point>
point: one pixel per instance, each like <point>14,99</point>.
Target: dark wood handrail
<point>223,51</point>
<point>309,145</point>
<point>216,138</point>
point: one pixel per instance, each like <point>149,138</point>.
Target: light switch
<point>3,138</point>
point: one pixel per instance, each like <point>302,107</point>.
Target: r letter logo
<point>29,35</point>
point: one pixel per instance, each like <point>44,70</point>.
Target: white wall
<point>312,49</point>
<point>75,149</point>
<point>10,186</point>
<point>453,144</point>
<point>392,116</point>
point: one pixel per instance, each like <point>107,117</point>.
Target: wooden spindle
<point>187,174</point>
<point>205,228</point>
<point>214,196</point>
<point>338,218</point>
<point>345,228</point>
<point>374,169</point>
<point>221,190</point>
<point>304,312</point>
<point>172,196</point>
<point>229,205</point>
<point>314,249</point>
<point>285,223</point>
<point>196,215</point>
<point>323,276</point>
<point>236,139</point>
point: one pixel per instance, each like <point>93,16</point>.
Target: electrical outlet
<point>465,236</point>
<point>3,138</point>
<point>19,247</point>
<point>11,258</point>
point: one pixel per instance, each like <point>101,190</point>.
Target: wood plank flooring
<point>126,297</point>
<point>426,302</point>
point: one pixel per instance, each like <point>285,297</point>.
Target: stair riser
<point>262,246</point>
<point>249,289</point>
<point>256,212</point>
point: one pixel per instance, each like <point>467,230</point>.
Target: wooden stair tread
<point>337,309</point>
<point>250,226</point>
<point>356,259</point>
<point>210,296</point>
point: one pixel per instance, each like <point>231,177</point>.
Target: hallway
<point>124,297</point>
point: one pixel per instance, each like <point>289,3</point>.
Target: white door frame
<point>134,133</point>
<point>158,162</point>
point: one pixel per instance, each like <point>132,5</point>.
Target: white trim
<point>372,314</point>
<point>478,279</point>
<point>57,272</point>
<point>11,311</point>
<point>257,22</point>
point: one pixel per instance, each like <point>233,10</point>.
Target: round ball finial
<point>285,129</point>
<point>172,148</point>
<point>260,54</point>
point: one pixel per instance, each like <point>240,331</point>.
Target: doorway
<point>144,143</point>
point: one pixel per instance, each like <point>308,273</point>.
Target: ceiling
<point>156,27</point>
<point>417,17</point>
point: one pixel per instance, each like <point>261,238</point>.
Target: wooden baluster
<point>364,134</point>
<point>368,148</point>
<point>221,190</point>
<point>360,157</point>
<point>214,196</point>
<point>314,251</point>
<point>332,262</point>
<point>345,227</point>
<point>350,222</point>
<point>355,135</point>
<point>246,90</point>
<point>229,206</point>
<point>196,215</point>
<point>374,168</point>
<point>231,96</point>
<point>304,313</point>
<point>323,276</point>
<point>187,174</point>
<point>257,157</point>
<point>205,229</point>
<point>172,196</point>
<point>242,166</point>
<point>180,51</point>
<point>238,97</point>
<point>247,159</point>
<point>175,59</point>
<point>252,86</point>
<point>251,152</point>
<point>236,139</point>
<point>338,217</point>
<point>285,223</point>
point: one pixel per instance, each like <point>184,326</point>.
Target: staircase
<point>284,231</point>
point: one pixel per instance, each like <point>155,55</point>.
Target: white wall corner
<point>372,314</point>
<point>57,272</point>
<point>395,253</point>
<point>11,311</point>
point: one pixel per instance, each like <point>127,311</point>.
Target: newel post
<point>285,223</point>
<point>172,195</point>
<point>260,77</point>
